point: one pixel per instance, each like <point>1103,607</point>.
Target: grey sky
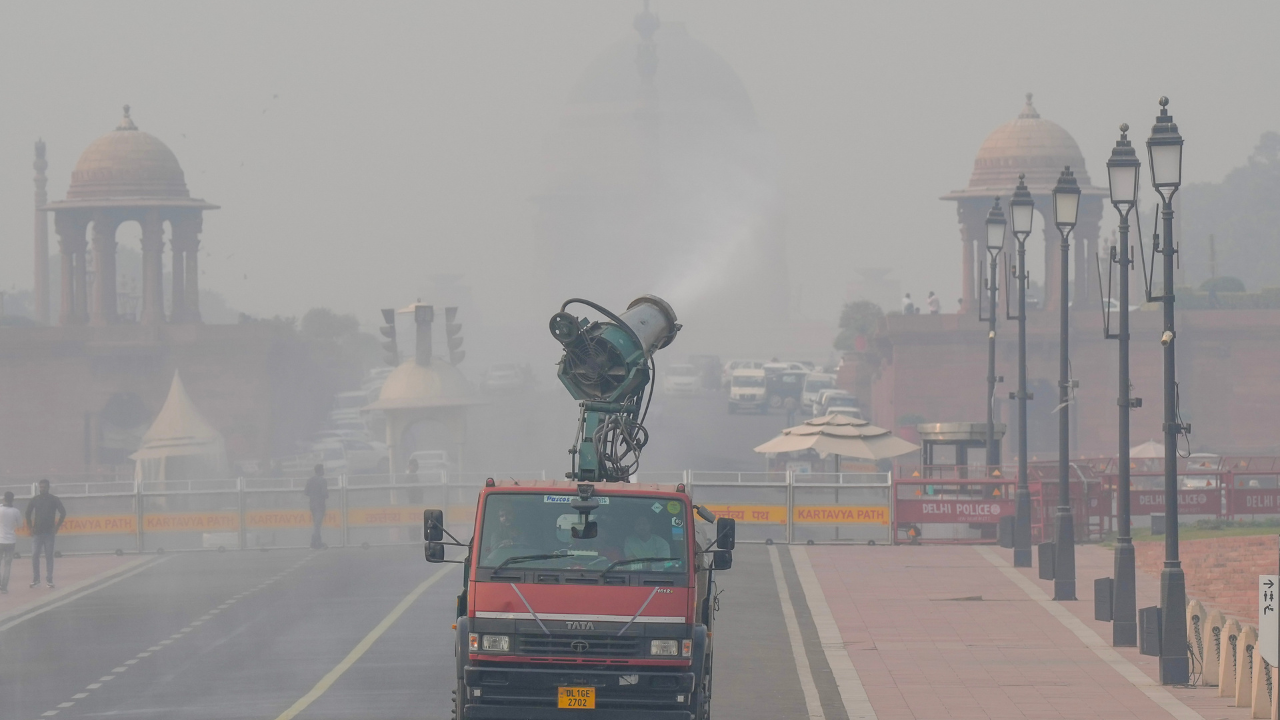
<point>358,147</point>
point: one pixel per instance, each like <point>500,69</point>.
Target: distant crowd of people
<point>909,306</point>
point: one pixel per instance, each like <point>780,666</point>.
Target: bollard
<point>1230,654</point>
<point>1196,636</point>
<point>1260,699</point>
<point>1244,665</point>
<point>1214,640</point>
<point>1045,549</point>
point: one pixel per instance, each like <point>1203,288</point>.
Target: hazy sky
<point>357,148</point>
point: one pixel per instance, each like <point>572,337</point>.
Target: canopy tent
<point>181,444</point>
<point>839,435</point>
<point>1147,450</point>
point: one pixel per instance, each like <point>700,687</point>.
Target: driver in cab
<point>644,544</point>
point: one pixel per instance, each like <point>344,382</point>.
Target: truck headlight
<point>497,642</point>
<point>664,647</point>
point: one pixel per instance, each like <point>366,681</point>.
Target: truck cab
<point>586,599</point>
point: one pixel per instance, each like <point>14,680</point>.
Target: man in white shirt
<point>10,521</point>
<point>644,544</point>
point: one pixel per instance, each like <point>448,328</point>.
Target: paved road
<point>247,635</point>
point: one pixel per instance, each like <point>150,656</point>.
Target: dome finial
<point>1029,110</point>
<point>127,122</point>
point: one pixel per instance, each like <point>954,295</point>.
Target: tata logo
<point>579,646</point>
<point>578,625</point>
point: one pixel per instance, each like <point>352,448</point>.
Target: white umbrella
<point>839,435</point>
<point>1147,450</point>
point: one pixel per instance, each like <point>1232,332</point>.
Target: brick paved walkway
<point>941,632</point>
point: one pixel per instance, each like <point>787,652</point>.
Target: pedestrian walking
<point>10,521</point>
<point>317,492</point>
<point>45,515</point>
<point>935,305</point>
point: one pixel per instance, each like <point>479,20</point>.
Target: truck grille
<point>579,646</point>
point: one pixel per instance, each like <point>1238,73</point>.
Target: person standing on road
<point>45,514</point>
<point>10,521</point>
<point>317,492</point>
<point>935,305</point>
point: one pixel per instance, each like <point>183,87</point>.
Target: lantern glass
<point>1124,183</point>
<point>995,234</point>
<point>1166,164</point>
<point>1065,206</point>
<point>1022,217</point>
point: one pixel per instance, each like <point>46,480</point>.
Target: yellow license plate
<point>577,698</point>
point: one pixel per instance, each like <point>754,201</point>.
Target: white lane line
<point>65,704</point>
<point>143,565</point>
<point>807,684</point>
<point>153,648</point>
<point>131,662</point>
<point>852,692</point>
<point>144,654</point>
<point>77,696</point>
<point>1136,677</point>
<point>171,637</point>
<point>49,714</point>
<point>196,622</point>
<point>120,669</point>
<point>93,686</point>
<point>105,678</point>
<point>361,648</point>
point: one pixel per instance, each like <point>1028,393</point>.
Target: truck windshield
<point>752,381</point>
<point>527,524</point>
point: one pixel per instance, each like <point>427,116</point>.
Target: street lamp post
<point>995,242</point>
<point>1022,208</point>
<point>1164,149</point>
<point>1066,205</point>
<point>1122,176</point>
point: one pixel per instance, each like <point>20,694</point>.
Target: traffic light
<point>388,331</point>
<point>453,335</point>
<point>422,317</point>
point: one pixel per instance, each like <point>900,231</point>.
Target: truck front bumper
<point>621,693</point>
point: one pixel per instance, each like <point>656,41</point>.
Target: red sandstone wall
<point>1222,573</point>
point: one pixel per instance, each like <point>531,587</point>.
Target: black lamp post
<point>1122,176</point>
<point>1066,204</point>
<point>1164,148</point>
<point>1022,207</point>
<point>995,242</point>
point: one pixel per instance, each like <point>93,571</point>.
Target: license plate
<point>577,698</point>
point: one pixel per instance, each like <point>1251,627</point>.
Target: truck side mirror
<point>433,525</point>
<point>721,559</point>
<point>435,552</point>
<point>726,533</point>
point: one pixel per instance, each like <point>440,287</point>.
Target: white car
<point>815,383</point>
<point>727,376</point>
<point>747,390</point>
<point>680,380</point>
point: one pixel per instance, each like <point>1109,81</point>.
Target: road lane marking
<point>105,678</point>
<point>119,669</point>
<point>807,684</point>
<point>1127,670</point>
<point>852,693</point>
<point>77,696</point>
<point>362,647</point>
<point>131,662</point>
<point>24,614</point>
<point>65,704</point>
<point>93,686</point>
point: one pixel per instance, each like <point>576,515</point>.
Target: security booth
<point>946,499</point>
<point>948,444</point>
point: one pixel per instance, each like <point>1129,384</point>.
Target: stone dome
<point>1027,144</point>
<point>411,385</point>
<point>127,163</point>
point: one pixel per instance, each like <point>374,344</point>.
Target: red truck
<point>586,600</point>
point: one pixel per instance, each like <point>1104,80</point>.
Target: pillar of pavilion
<point>1040,149</point>
<point>124,176</point>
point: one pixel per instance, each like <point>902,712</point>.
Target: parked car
<point>729,367</point>
<point>681,380</point>
<point>815,383</point>
<point>746,390</point>
<point>785,366</point>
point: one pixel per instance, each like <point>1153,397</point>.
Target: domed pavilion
<point>126,175</point>
<point>1038,148</point>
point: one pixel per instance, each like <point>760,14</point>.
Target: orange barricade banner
<point>224,520</point>
<point>94,525</point>
<point>458,515</point>
<point>280,519</point>
<point>769,514</point>
<point>384,516</point>
<point>841,514</point>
